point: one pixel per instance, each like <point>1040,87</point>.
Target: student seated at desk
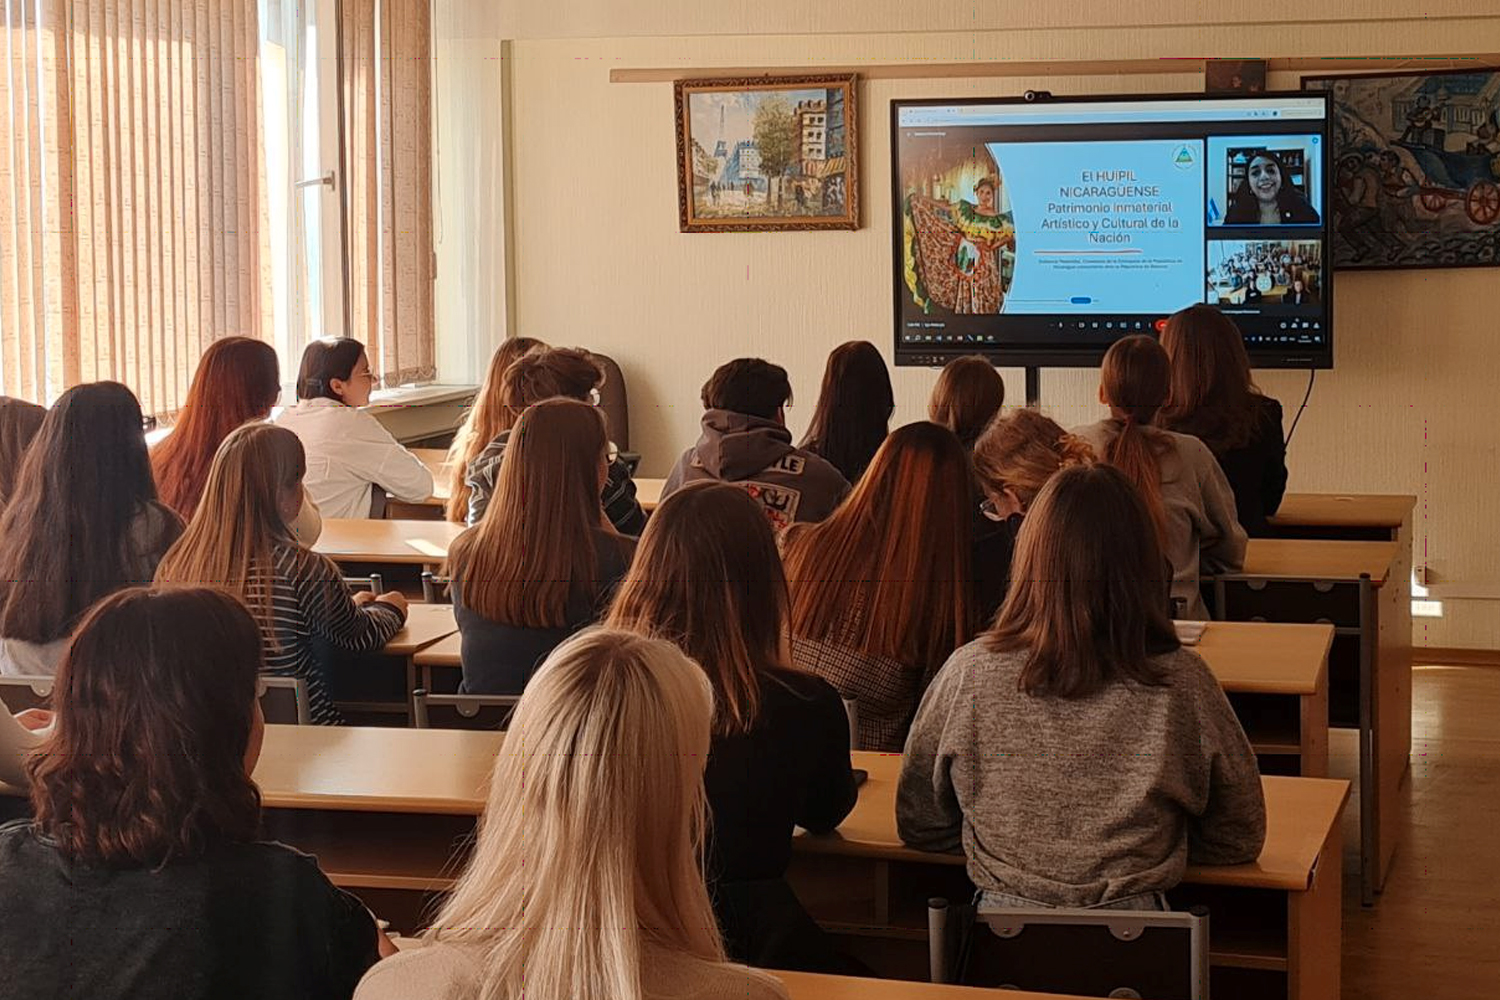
<point>349,453</point>
<point>1213,398</point>
<point>708,578</point>
<point>1013,459</point>
<point>486,419</point>
<point>745,442</point>
<point>240,539</point>
<point>83,522</point>
<point>854,409</point>
<point>142,874</point>
<point>881,592</point>
<point>19,423</point>
<point>584,882</point>
<point>544,561</point>
<point>549,374</point>
<point>1191,504</point>
<point>238,380</point>
<point>1075,752</point>
<point>968,394</point>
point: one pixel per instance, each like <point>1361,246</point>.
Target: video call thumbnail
<point>1265,180</point>
<point>1264,272</point>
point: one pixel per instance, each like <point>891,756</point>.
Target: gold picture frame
<point>763,154</point>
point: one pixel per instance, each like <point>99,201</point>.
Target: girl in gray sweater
<point>1190,502</point>
<point>1076,753</point>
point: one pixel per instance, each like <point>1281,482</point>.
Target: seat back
<point>461,711</point>
<point>20,693</point>
<point>374,583</point>
<point>1096,953</point>
<point>435,588</point>
<point>283,701</point>
<point>614,401</point>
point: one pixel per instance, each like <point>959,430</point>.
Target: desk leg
<point>1369,744</point>
<point>1315,928</point>
<point>1393,713</point>
<point>1314,731</point>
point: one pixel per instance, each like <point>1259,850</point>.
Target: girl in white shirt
<point>349,454</point>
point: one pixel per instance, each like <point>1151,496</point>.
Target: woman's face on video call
<point>1265,178</point>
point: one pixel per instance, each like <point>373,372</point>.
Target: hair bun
<point>1074,450</point>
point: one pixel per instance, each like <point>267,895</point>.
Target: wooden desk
<point>425,625</point>
<point>1355,517</point>
<point>1276,677</point>
<point>375,688</point>
<point>436,460</point>
<point>648,493</point>
<point>1276,928</point>
<point>440,665</point>
<point>388,813</point>
<point>394,543</point>
<point>1364,590</point>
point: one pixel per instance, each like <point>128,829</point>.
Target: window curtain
<point>132,206</point>
<point>386,56</point>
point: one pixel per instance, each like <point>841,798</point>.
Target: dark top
<point>248,921</point>
<point>993,548</point>
<point>500,659</point>
<point>1257,472</point>
<point>618,495</point>
<point>791,770</point>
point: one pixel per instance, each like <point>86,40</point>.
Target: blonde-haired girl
<point>585,880</point>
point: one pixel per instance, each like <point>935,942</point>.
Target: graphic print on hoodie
<point>757,454</point>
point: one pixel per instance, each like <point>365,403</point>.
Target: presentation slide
<point>1102,227</point>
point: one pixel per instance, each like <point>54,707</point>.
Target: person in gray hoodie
<point>745,442</point>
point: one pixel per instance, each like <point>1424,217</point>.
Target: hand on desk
<point>394,598</point>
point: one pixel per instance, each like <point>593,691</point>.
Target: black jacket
<point>1257,472</point>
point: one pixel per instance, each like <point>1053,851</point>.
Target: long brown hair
<point>1135,380</point>
<point>707,578</point>
<point>487,418</point>
<point>154,700</point>
<point>19,423</point>
<point>238,380</point>
<point>66,530</point>
<point>1212,395</point>
<point>1024,449</point>
<point>968,394</point>
<point>1089,585</point>
<point>239,521</point>
<point>854,409</point>
<point>898,547</point>
<point>534,547</point>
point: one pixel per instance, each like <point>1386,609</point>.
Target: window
<point>299,87</point>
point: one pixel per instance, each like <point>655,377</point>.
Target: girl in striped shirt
<point>239,539</point>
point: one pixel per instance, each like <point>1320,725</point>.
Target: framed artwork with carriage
<point>1416,168</point>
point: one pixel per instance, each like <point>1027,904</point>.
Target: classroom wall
<point>598,259</point>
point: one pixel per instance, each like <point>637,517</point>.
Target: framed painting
<point>767,153</point>
<point>1416,168</point>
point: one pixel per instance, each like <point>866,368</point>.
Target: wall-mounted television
<point>1036,230</point>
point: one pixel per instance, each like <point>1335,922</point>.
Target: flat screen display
<point>1037,232</point>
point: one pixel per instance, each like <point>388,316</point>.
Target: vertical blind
<point>133,216</point>
<point>131,198</point>
<point>386,51</point>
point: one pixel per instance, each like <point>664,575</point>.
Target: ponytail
<point>1135,452</point>
<point>1136,380</point>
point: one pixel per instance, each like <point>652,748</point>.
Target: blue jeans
<point>989,901</point>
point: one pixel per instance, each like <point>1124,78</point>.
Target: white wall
<point>599,261</point>
<point>470,238</point>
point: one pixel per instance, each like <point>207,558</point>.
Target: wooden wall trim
<point>1445,656</point>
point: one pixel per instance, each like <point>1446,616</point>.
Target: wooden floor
<point>1435,932</point>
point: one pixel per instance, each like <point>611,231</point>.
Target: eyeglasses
<point>987,508</point>
<point>594,397</point>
